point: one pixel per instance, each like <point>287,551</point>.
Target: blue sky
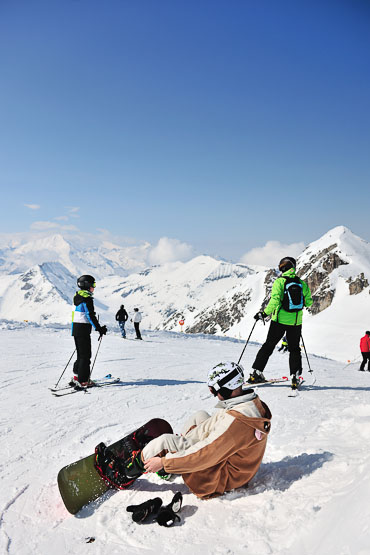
<point>222,124</point>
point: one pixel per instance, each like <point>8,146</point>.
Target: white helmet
<point>226,374</point>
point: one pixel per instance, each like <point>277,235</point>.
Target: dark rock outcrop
<point>228,313</point>
<point>357,285</point>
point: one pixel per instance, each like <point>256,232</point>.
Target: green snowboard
<point>80,483</point>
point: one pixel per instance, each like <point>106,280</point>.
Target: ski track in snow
<point>311,494</point>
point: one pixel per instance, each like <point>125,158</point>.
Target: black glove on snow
<point>103,330</point>
<point>141,512</point>
<point>167,515</point>
<point>260,315</point>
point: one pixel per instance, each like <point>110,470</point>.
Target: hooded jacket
<point>228,448</point>
<point>277,294</point>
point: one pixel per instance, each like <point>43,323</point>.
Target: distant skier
<point>122,318</point>
<point>137,319</point>
<point>214,454</point>
<point>289,295</point>
<point>284,345</point>
<point>83,319</point>
<point>365,351</point>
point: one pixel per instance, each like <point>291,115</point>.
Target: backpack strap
<point>281,302</point>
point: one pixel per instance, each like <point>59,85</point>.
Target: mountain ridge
<point>212,296</point>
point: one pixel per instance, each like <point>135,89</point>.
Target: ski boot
<point>296,380</point>
<point>256,377</point>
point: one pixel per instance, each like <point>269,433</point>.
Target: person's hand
<point>154,464</point>
<point>260,315</point>
<point>103,330</point>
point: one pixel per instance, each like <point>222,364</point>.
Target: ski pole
<point>247,341</point>
<point>56,385</point>
<point>308,362</point>
<point>96,354</point>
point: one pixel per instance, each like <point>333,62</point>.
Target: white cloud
<point>169,250</point>
<point>33,206</point>
<point>73,211</point>
<point>44,225</point>
<point>61,218</point>
<point>271,253</point>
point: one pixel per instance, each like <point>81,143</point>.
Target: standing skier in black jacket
<point>122,318</point>
<point>83,319</point>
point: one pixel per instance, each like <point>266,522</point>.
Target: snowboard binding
<point>111,468</point>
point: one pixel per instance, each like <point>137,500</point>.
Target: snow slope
<point>310,496</point>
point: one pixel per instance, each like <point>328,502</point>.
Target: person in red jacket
<point>365,351</point>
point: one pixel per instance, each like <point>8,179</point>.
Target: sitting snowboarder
<point>214,454</point>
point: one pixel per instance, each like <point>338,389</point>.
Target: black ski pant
<point>365,358</point>
<point>136,326</point>
<point>81,367</point>
<point>275,334</point>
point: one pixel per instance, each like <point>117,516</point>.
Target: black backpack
<point>293,300</point>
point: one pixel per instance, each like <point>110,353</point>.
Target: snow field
<point>310,495</point>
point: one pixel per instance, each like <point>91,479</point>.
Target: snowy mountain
<point>79,254</point>
<point>42,294</point>
<point>189,290</point>
<point>336,259</point>
<point>212,296</point>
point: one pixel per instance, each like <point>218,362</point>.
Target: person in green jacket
<point>289,295</point>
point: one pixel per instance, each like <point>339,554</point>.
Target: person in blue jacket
<point>83,320</point>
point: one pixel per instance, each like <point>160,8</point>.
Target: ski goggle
<point>215,388</point>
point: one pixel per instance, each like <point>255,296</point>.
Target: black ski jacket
<point>122,315</point>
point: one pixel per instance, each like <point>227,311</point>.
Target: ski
<point>73,388</point>
<point>283,379</point>
<point>70,391</point>
<point>101,381</point>
<point>85,389</point>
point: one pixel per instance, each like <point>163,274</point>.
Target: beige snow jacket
<point>229,450</point>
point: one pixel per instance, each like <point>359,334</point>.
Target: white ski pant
<point>172,442</point>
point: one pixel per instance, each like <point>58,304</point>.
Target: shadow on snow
<point>278,476</point>
<point>282,474</point>
<point>157,382</point>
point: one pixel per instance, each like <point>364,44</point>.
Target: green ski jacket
<point>277,293</point>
